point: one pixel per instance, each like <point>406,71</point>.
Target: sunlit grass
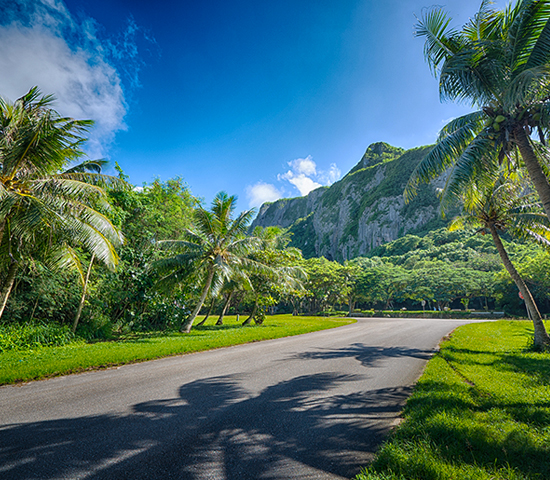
<point>480,411</point>
<point>36,363</point>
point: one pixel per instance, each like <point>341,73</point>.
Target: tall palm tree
<point>500,203</point>
<point>45,206</point>
<point>499,62</point>
<point>212,252</point>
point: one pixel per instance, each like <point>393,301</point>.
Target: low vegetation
<point>22,357</point>
<point>480,411</point>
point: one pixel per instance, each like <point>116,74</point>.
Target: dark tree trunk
<point>203,321</point>
<point>248,321</point>
<point>224,309</point>
<point>541,335</point>
<point>539,179</point>
<point>351,306</point>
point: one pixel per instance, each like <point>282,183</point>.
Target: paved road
<point>308,407</point>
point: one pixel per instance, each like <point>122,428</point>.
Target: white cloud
<point>333,174</point>
<point>260,193</point>
<point>43,45</point>
<point>304,166</point>
<point>304,176</point>
<point>301,181</point>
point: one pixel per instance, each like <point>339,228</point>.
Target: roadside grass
<point>480,411</point>
<point>41,362</point>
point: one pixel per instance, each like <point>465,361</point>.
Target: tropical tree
<point>46,207</point>
<point>499,62</point>
<point>327,283</point>
<point>283,277</point>
<point>501,203</point>
<point>211,253</point>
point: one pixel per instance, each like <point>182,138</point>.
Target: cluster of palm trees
<point>218,254</point>
<point>499,62</point>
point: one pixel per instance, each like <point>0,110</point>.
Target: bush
<point>21,337</point>
<point>99,327</point>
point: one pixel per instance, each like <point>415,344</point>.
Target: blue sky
<point>261,99</point>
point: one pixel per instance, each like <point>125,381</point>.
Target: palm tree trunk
<point>2,228</point>
<point>203,321</point>
<point>84,291</point>
<point>186,327</point>
<point>225,307</point>
<point>248,321</point>
<point>6,288</point>
<point>541,335</point>
<point>539,179</point>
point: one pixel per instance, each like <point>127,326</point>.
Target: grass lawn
<point>33,364</point>
<point>480,411</point>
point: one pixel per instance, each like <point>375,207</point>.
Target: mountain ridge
<point>361,211</point>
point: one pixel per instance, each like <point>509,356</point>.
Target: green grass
<point>42,362</point>
<point>480,411</point>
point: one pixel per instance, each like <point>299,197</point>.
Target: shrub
<point>21,337</point>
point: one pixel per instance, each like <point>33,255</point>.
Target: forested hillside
<point>362,211</point>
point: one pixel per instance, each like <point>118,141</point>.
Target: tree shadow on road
<point>301,428</point>
<point>367,355</point>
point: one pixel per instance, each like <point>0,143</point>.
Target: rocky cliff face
<point>360,212</point>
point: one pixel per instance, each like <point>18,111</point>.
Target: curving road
<point>309,407</point>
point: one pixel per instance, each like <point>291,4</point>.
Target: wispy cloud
<point>262,192</point>
<point>332,175</point>
<point>304,176</point>
<point>43,45</point>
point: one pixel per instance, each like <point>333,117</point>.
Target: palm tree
<point>500,203</point>
<point>212,252</point>
<point>499,63</point>
<point>45,207</point>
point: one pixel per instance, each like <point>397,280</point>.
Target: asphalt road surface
<point>314,406</point>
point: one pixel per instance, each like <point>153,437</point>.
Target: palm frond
<point>440,40</point>
<point>65,257</point>
<point>445,153</point>
<point>527,86</point>
<point>528,34</point>
<point>477,160</point>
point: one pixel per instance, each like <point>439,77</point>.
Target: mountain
<point>362,211</point>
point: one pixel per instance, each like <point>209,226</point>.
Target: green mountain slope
<point>362,211</point>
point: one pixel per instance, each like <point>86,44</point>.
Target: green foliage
<point>444,267</point>
<point>377,153</point>
<point>158,211</point>
<point>328,284</point>
<point>479,411</point>
<point>303,236</point>
<point>29,336</point>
